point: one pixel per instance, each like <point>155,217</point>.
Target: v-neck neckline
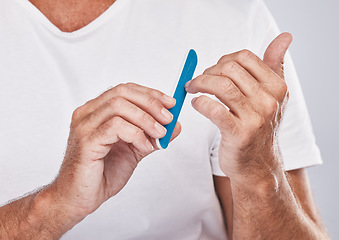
<point>96,23</point>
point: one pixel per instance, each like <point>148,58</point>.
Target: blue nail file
<point>179,94</point>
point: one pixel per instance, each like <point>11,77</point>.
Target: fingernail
<point>168,99</point>
<point>188,84</point>
<point>149,145</point>
<point>160,129</point>
<point>193,100</point>
<point>166,114</point>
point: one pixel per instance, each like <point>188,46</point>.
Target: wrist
<point>51,213</point>
<point>257,168</point>
<point>266,184</point>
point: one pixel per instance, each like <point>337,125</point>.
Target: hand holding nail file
<point>179,94</point>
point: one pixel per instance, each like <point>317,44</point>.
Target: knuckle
<point>233,94</point>
<point>242,103</point>
<point>224,86</point>
<point>139,134</point>
<point>116,122</point>
<point>207,71</point>
<point>121,89</point>
<point>222,59</point>
<point>156,93</point>
<point>154,102</point>
<point>230,67</point>
<point>76,114</point>
<point>218,112</point>
<point>130,85</point>
<point>244,55</point>
<point>145,117</point>
<point>115,102</point>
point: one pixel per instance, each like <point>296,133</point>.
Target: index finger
<point>129,91</point>
<point>257,68</point>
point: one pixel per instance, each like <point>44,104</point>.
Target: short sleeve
<point>296,137</point>
<point>214,155</point>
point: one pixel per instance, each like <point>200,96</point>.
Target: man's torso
<point>46,73</point>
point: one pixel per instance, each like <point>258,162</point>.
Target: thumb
<point>275,53</point>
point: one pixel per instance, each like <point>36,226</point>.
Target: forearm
<point>36,216</point>
<point>252,97</point>
<point>268,209</point>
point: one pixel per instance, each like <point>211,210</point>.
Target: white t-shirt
<point>45,74</point>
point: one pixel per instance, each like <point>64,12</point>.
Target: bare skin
<point>302,192</point>
<point>71,15</point>
<point>109,136</point>
<point>107,141</point>
<point>258,199</point>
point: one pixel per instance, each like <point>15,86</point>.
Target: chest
<point>72,15</point>
<point>41,90</point>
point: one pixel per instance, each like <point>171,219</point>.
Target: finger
<point>252,63</point>
<point>275,53</point>
<point>146,102</point>
<point>133,90</point>
<point>223,88</point>
<point>166,100</point>
<point>216,112</point>
<point>119,106</point>
<point>148,99</point>
<point>258,69</point>
<point>119,129</point>
<point>176,132</point>
<point>247,84</point>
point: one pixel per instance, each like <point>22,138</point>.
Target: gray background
<point>315,51</point>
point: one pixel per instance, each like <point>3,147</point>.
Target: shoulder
<point>239,5</point>
<point>244,6</point>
